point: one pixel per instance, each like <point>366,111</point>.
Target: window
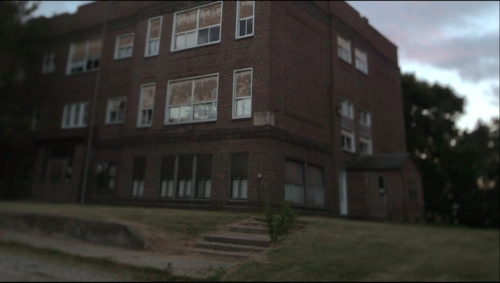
<point>347,141</point>
<point>365,146</point>
<point>294,181</point>
<point>49,63</point>
<point>192,100</point>
<point>124,45</point>
<point>153,37</point>
<point>115,113</point>
<point>344,49</point>
<point>197,27</point>
<point>57,165</point>
<point>75,115</point>
<point>412,189</point>
<point>138,172</point>
<point>361,61</point>
<point>242,93</point>
<point>304,183</point>
<point>365,118</point>
<point>315,194</point>
<point>245,11</point>
<point>381,186</point>
<point>239,175</point>
<point>146,104</point>
<point>347,109</point>
<point>105,175</point>
<point>179,180</point>
<point>84,56</point>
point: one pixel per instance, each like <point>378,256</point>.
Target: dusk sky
<point>453,43</point>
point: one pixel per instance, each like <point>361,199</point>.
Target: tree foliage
<point>458,167</point>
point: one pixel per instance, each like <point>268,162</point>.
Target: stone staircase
<point>236,241</point>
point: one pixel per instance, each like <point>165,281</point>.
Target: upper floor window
<point>344,49</point>
<point>84,56</point>
<point>153,37</point>
<point>245,11</point>
<point>347,109</point>
<point>361,61</point>
<point>49,63</point>
<point>197,27</point>
<point>365,145</point>
<point>124,46</point>
<point>192,100</point>
<point>365,118</point>
<point>347,141</point>
<point>242,93</point>
<point>75,115</point>
<point>146,105</point>
<point>115,113</point>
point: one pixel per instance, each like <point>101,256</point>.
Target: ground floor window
<point>239,175</point>
<point>138,172</point>
<point>186,176</point>
<point>304,183</point>
<point>105,175</point>
<point>58,164</point>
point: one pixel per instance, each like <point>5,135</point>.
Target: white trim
<point>198,8</point>
<point>167,102</point>
<point>350,109</point>
<point>237,25</point>
<point>146,48</point>
<point>353,140</point>
<point>368,115</point>
<point>69,110</point>
<point>117,39</point>
<point>361,60</point>
<point>139,114</point>
<point>119,98</point>
<point>346,44</point>
<point>343,201</point>
<point>234,116</point>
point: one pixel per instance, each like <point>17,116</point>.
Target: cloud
<point>494,94</point>
<point>457,36</point>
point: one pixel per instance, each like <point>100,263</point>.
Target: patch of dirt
<point>159,241</point>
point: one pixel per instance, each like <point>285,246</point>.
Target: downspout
<point>331,101</point>
<point>92,114</point>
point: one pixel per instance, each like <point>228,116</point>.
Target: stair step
<point>253,224</point>
<point>249,229</point>
<point>234,255</point>
<point>239,239</point>
<point>226,247</point>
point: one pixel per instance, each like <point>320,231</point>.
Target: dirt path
<point>27,267</point>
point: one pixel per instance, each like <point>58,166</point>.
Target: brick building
<point>223,104</point>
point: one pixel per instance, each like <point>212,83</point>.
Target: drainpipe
<point>92,114</point>
<point>331,100</point>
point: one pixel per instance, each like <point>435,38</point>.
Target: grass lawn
<point>343,250</point>
<point>164,229</point>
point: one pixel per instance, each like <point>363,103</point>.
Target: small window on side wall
<point>361,61</point>
<point>245,15</point>
<point>344,49</point>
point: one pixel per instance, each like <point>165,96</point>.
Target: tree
<point>459,168</point>
<point>19,52</point>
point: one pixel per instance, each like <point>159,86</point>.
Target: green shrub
<point>279,224</point>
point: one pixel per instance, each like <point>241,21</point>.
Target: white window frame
<point>368,142</point>
<point>140,109</point>
<point>353,141</point>
<point>71,49</point>
<point>69,110</point>
<point>198,8</point>
<point>117,39</point>
<point>49,63</point>
<point>237,34</point>
<point>242,98</point>
<point>113,99</point>
<point>148,39</point>
<point>361,61</point>
<point>340,44</point>
<point>365,118</point>
<point>350,109</point>
<point>167,103</point>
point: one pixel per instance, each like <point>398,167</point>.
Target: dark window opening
<point>239,175</point>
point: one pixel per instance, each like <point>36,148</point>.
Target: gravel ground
<point>25,267</point>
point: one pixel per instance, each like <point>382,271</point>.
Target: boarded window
<point>203,176</point>
<point>153,37</point>
<point>294,181</point>
<point>146,105</point>
<point>138,172</point>
<point>197,27</point>
<point>192,100</point>
<point>245,21</point>
<point>242,96</point>
<point>185,176</point>
<point>167,182</point>
<point>315,194</point>
<point>239,175</point>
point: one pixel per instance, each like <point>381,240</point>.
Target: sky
<point>453,43</point>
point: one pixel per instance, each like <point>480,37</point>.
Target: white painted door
<point>343,193</point>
